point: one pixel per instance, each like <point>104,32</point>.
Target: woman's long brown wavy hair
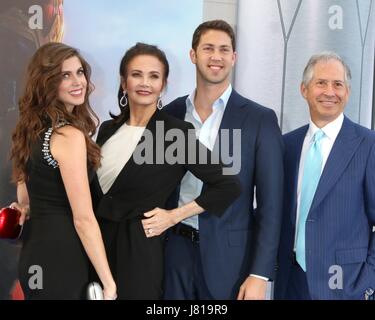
<point>40,107</point>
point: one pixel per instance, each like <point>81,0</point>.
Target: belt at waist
<point>186,231</point>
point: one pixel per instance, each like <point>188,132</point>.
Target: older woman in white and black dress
<point>128,193</point>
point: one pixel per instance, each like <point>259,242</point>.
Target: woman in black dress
<point>142,164</point>
<point>53,159</point>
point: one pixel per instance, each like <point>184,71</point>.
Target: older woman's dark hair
<point>139,49</point>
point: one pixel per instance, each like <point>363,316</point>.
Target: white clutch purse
<point>94,291</point>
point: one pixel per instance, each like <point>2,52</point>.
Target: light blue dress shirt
<point>206,132</point>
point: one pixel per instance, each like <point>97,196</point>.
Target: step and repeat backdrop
<point>275,39</point>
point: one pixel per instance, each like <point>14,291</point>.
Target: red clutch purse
<point>9,223</point>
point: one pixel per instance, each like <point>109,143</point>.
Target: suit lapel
<point>295,157</point>
<point>233,118</point>
<point>130,170</point>
<point>103,136</point>
<point>180,111</point>
<point>109,131</point>
<point>346,144</point>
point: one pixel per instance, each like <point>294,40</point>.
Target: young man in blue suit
<point>232,256</point>
<point>327,247</point>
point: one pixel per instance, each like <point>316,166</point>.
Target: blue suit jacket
<point>341,217</point>
<point>242,240</point>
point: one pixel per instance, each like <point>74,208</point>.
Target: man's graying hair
<point>325,56</point>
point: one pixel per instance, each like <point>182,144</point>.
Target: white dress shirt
<point>116,152</point>
<point>331,130</point>
<point>206,132</point>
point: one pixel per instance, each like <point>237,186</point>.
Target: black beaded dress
<point>53,263</point>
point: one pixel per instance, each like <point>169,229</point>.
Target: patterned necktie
<point>311,175</point>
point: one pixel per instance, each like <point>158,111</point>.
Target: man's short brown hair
<point>219,25</point>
